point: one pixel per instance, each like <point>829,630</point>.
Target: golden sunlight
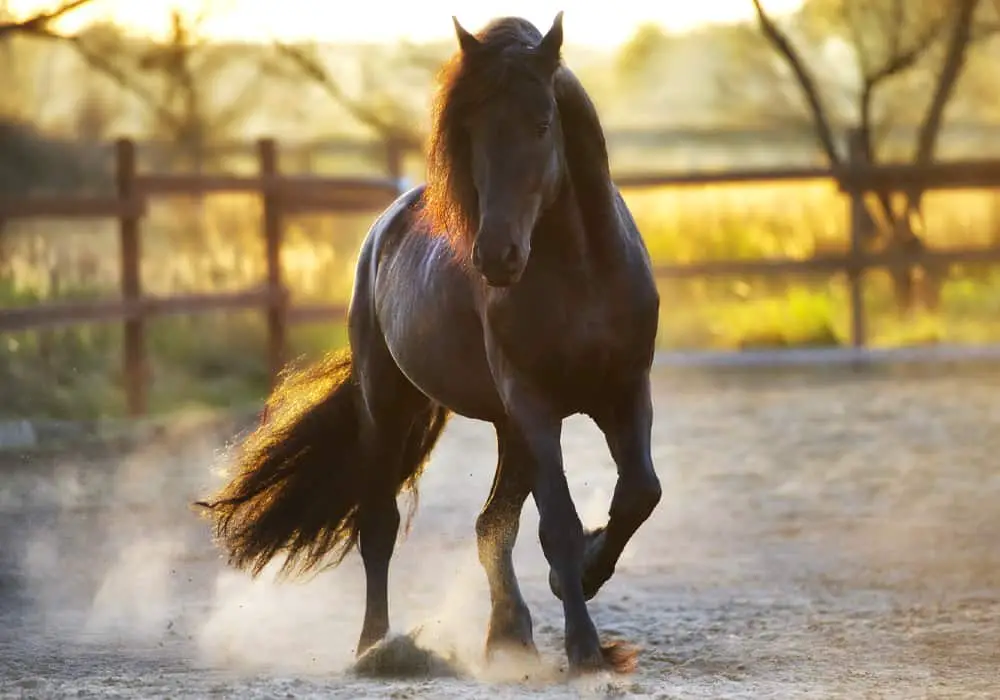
<point>589,24</point>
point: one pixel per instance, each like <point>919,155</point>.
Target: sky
<point>586,22</point>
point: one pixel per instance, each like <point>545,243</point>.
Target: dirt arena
<point>822,534</point>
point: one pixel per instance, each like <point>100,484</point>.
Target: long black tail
<point>301,475</point>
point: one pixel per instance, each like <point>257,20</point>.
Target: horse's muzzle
<point>501,269</point>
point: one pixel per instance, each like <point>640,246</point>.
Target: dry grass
<point>218,359</point>
<point>800,220</point>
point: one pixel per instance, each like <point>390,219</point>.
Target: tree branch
<point>951,69</point>
<point>781,43</point>
<point>38,26</point>
<point>39,23</point>
<point>97,60</point>
<point>898,17</point>
<point>898,61</point>
<point>312,69</point>
<point>848,15</point>
<point>986,31</point>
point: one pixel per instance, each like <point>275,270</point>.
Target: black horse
<point>513,288</point>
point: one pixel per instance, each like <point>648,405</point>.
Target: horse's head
<point>499,135</point>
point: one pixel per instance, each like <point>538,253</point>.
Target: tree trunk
<point>915,287</point>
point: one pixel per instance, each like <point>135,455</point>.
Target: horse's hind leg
<point>378,525</point>
<point>627,426</point>
<point>496,532</point>
<point>399,430</point>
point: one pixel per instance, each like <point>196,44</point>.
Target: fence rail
<point>285,195</point>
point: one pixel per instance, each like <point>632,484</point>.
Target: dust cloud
<point>109,555</point>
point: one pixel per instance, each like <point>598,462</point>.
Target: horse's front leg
<point>538,430</point>
<point>496,533</point>
<point>627,423</point>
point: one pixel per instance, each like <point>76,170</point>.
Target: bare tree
<point>178,81</point>
<point>889,39</point>
<point>188,79</point>
<point>193,91</point>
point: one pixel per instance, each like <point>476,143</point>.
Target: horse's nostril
<point>512,256</point>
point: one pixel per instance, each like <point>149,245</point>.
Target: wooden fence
<point>281,196</point>
<point>285,195</point>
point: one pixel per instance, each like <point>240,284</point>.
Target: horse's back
<point>387,226</point>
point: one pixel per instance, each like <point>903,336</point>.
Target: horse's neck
<point>587,225</point>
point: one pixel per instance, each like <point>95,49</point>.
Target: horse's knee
<point>496,530</point>
<point>486,524</point>
<point>650,492</point>
<point>486,535</point>
<point>640,495</point>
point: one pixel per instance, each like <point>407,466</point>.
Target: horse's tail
<point>302,474</point>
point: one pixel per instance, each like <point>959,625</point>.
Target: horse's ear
<point>466,40</point>
<point>551,44</point>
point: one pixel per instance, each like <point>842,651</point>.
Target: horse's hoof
<point>616,657</point>
<point>510,632</point>
<point>592,580</point>
<point>510,649</point>
<point>368,641</point>
<point>620,657</point>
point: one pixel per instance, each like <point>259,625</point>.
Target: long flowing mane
<point>451,206</point>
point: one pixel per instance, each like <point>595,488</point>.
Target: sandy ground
<point>821,535</point>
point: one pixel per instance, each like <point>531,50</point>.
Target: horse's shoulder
<point>394,219</point>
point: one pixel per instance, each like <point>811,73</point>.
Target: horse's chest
<point>579,349</point>
<point>595,338</point>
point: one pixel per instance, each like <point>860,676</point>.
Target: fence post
<point>277,320</point>
<point>861,224</point>
<point>134,355</point>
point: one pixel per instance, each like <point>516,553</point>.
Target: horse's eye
<point>542,127</point>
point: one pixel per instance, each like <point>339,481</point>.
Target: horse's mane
<point>451,206</point>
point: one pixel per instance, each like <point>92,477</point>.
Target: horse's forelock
<point>450,201</point>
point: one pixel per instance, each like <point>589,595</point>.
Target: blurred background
<point>717,85</point>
